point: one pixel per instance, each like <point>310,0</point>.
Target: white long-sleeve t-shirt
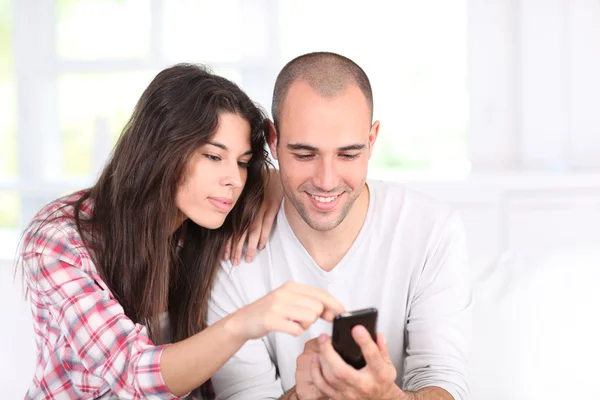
<point>409,261</point>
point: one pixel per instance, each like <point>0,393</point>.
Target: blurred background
<point>490,105</point>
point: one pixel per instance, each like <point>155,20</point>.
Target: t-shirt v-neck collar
<point>307,259</point>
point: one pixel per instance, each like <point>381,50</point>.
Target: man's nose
<point>326,177</point>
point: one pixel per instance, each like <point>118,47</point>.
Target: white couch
<point>17,358</point>
<point>537,326</point>
<point>536,332</point>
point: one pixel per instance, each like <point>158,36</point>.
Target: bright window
<point>95,57</point>
<point>416,61</point>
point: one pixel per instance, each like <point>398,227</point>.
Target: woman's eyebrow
<point>222,146</point>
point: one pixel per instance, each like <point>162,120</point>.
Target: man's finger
<point>318,380</point>
<point>368,347</point>
<point>336,371</point>
<point>303,364</point>
<point>383,348</point>
<point>312,345</point>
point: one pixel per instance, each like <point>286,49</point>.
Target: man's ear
<point>271,137</point>
<point>373,136</point>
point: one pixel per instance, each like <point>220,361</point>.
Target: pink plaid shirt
<point>87,348</point>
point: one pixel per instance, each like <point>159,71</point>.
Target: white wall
<point>534,84</point>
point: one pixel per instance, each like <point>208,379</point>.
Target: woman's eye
<point>212,157</point>
<point>243,164</point>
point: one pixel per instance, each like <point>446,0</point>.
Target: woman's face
<point>216,173</point>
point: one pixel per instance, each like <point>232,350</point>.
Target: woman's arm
<point>291,308</point>
<point>187,364</point>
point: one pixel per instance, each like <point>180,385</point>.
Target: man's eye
<point>350,156</point>
<point>303,156</point>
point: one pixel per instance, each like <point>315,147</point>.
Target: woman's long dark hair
<point>130,232</point>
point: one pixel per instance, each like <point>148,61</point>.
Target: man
<point>369,243</point>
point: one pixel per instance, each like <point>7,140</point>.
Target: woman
<point>105,266</point>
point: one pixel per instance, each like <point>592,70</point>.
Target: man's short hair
<point>329,74</point>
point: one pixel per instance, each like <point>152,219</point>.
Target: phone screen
<point>342,339</point>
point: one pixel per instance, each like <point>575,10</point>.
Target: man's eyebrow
<point>301,146</point>
<point>306,147</point>
<point>351,147</point>
<point>222,146</point>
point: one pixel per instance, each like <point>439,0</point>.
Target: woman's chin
<point>210,223</point>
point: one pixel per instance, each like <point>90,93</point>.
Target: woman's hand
<point>260,228</point>
<point>292,308</point>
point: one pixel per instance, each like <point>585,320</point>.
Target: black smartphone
<point>342,339</point>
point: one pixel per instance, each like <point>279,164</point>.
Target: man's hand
<point>334,378</point>
<point>260,228</point>
<point>305,388</point>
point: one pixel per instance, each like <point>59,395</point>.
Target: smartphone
<point>342,339</point>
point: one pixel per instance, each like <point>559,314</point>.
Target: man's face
<point>323,152</point>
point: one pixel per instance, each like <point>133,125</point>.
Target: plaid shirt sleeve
<point>92,324</point>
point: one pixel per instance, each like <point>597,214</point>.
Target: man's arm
<point>439,320</point>
<point>250,373</point>
<point>290,395</point>
<point>428,393</point>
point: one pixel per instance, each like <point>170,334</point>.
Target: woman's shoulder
<point>54,228</point>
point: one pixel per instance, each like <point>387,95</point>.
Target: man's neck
<point>328,248</point>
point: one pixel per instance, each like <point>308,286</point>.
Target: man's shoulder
<point>408,215</point>
<point>394,198</point>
